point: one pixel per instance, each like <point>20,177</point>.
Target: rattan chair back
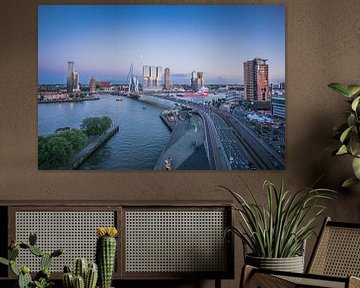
<point>337,252</point>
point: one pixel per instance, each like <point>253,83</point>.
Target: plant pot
<point>291,264</point>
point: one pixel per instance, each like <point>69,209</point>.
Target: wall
<point>322,42</point>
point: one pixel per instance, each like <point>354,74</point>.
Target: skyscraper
<point>69,76</point>
<point>72,78</point>
<point>92,85</point>
<point>256,80</point>
<point>152,77</point>
<point>200,79</point>
<point>193,80</point>
<point>167,83</point>
<point>197,80</point>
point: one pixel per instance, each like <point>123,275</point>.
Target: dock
<point>85,153</point>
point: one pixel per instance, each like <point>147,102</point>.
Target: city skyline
<point>105,40</point>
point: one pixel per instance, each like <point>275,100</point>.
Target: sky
<point>103,41</point>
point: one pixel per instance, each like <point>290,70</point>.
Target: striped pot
<point>291,264</point>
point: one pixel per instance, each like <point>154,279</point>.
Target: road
<point>233,140</point>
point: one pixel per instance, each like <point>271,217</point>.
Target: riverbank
<point>68,100</point>
<point>80,157</point>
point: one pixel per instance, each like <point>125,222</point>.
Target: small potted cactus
<point>42,278</point>
<point>106,254</point>
<point>85,275</point>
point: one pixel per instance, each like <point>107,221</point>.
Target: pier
<point>85,153</point>
<point>186,149</point>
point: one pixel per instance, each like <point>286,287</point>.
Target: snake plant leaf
<point>345,134</point>
<point>353,89</point>
<point>342,150</point>
<point>349,182</point>
<point>340,88</point>
<point>355,103</point>
<point>356,167</point>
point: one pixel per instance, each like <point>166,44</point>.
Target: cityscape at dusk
<point>105,40</point>
<point>161,87</point>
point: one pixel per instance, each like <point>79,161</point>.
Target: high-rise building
<point>69,76</point>
<point>278,105</point>
<point>256,80</point>
<point>92,85</point>
<point>75,82</point>
<point>200,79</point>
<point>152,77</point>
<point>72,78</point>
<point>193,80</point>
<point>167,83</point>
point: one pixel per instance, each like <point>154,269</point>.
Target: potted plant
<point>42,278</point>
<point>276,233</point>
<point>349,132</point>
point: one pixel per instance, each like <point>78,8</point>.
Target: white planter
<point>291,264</point>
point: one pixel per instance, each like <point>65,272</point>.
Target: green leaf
<point>340,88</point>
<point>356,167</point>
<point>345,134</point>
<point>342,150</point>
<point>353,89</point>
<point>355,103</point>
<point>351,120</point>
<point>349,182</point>
<point>4,261</point>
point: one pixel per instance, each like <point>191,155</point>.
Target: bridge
<point>245,150</point>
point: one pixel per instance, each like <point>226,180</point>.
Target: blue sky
<point>103,40</point>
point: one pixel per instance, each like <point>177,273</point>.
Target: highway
<point>231,143</point>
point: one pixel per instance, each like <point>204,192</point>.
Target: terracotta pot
<point>291,264</point>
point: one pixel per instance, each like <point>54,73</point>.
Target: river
<point>137,146</point>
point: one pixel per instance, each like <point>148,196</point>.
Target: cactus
<point>90,272</point>
<point>24,280</point>
<point>42,278</point>
<point>36,251</point>
<point>68,280</point>
<point>32,239</point>
<point>13,253</point>
<point>105,254</point>
<point>45,261</point>
<point>80,268</point>
<point>79,282</point>
<point>91,276</point>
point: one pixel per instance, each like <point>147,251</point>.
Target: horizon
<point>103,41</point>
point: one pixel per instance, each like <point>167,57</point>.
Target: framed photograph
<point>161,87</point>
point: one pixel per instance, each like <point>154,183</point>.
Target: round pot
<point>291,264</point>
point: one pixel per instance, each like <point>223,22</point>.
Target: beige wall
<point>322,46</point>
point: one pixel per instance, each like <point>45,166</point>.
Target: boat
<point>144,107</point>
<point>119,99</point>
<point>203,91</point>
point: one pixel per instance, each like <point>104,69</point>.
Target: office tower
<point>167,83</point>
<point>92,85</point>
<point>158,76</point>
<point>69,76</point>
<point>152,77</point>
<point>146,75</point>
<point>75,82</point>
<point>200,79</point>
<point>256,80</point>
<point>193,80</point>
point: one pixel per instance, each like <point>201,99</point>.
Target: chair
<point>334,263</point>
